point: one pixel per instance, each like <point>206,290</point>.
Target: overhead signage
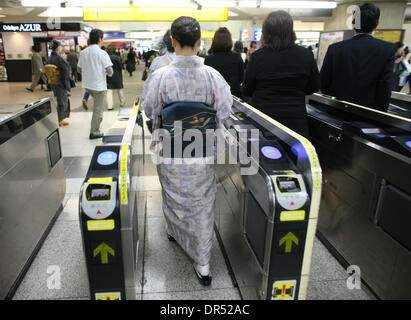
<point>257,34</point>
<point>42,27</point>
<point>207,34</point>
<point>114,35</point>
<point>22,27</point>
<point>72,33</point>
<point>56,34</point>
<point>134,13</point>
<point>38,34</point>
<point>244,35</point>
<point>388,35</point>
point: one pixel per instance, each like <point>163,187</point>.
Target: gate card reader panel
<point>99,199</point>
<point>104,162</point>
<point>290,191</point>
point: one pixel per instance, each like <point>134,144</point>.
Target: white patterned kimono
<point>188,190</point>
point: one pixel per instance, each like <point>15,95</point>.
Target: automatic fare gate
<point>108,216</point>
<point>266,222</point>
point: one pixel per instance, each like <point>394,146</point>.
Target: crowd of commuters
<point>274,76</point>
<point>278,75</point>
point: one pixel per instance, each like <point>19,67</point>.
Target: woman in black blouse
<point>225,61</point>
<point>281,73</point>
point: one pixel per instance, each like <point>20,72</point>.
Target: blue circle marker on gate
<point>106,158</point>
<point>271,152</point>
<point>408,144</point>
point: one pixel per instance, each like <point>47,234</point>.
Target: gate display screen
<point>271,152</point>
<point>106,158</point>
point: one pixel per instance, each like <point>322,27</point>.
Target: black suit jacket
<point>359,70</point>
<point>278,83</point>
<point>231,66</point>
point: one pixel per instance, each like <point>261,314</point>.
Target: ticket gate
<point>400,104</point>
<point>266,217</point>
<point>364,214</point>
<point>32,186</point>
<point>108,216</point>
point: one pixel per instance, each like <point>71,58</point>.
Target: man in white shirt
<point>95,64</point>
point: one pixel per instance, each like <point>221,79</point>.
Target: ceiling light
<point>41,3</point>
<point>214,3</point>
<point>98,3</point>
<point>163,3</point>
<point>62,12</point>
<point>247,4</point>
<point>299,4</point>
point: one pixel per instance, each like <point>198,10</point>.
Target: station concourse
<point>165,270</point>
<point>324,215</point>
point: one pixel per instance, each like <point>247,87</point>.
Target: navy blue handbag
<point>191,115</point>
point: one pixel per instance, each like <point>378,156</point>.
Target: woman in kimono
<point>64,87</point>
<point>188,190</point>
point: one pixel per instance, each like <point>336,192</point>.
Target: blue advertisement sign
<point>257,34</point>
<point>114,35</point>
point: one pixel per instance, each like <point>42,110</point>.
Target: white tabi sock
<point>203,270</point>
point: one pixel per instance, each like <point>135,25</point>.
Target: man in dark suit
<point>360,70</point>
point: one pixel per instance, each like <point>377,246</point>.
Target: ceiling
<point>12,11</point>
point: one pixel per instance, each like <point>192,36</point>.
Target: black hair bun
<point>55,44</point>
<point>186,31</point>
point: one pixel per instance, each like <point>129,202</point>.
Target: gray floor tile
<point>67,162</point>
<point>74,185</point>
<point>74,172</point>
<point>215,294</point>
<point>62,248</point>
<point>69,299</point>
<point>145,183</point>
<point>150,168</point>
<point>334,290</point>
<point>154,204</point>
<point>70,210</point>
<point>168,268</point>
<point>324,266</point>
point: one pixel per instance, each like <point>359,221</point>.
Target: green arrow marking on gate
<point>104,250</point>
<point>289,238</point>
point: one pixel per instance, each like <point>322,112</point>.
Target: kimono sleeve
<point>223,99</point>
<point>151,100</point>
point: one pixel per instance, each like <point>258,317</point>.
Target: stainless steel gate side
<point>32,192</point>
<point>230,217</point>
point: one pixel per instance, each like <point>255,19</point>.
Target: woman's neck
<point>186,51</point>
